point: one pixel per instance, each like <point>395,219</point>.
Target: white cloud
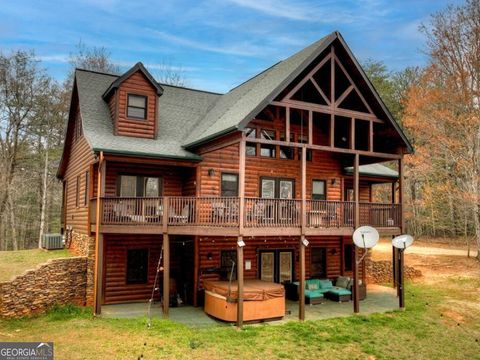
<point>239,48</point>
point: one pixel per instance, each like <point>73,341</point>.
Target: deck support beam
<point>356,187</point>
<point>240,243</point>
<point>166,274</point>
<point>98,271</point>
<point>240,282</point>
<point>301,298</point>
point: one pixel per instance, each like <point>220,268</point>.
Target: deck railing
<point>258,212</point>
<point>261,212</point>
<point>321,213</point>
<point>380,215</point>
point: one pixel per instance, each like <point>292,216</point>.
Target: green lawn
<point>13,263</point>
<point>440,322</point>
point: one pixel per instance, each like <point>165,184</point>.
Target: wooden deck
<point>219,216</point>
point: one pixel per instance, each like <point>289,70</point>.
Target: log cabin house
<point>288,155</point>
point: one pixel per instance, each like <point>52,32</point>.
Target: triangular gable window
<point>309,93</point>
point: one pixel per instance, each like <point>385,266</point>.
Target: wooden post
<point>394,266</point>
<point>401,184</point>
<point>332,130</point>
<point>356,182</point>
<point>241,181</point>
<point>241,195</point>
<point>98,271</point>
<point>301,298</point>
<point>352,133</point>
<point>166,274</point>
<point>310,127</point>
<point>401,289</point>
<point>196,267</point>
<point>370,136</point>
<point>240,283</point>
<point>287,124</point>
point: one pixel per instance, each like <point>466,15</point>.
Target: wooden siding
<point>173,177</point>
<point>323,167</point>
<point>80,157</point>
<point>115,285</point>
<point>116,289</point>
<point>137,84</point>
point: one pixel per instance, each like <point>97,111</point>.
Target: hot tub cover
<point>253,290</point>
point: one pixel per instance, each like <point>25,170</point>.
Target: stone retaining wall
<point>84,245</point>
<point>380,272</point>
<point>58,281</point>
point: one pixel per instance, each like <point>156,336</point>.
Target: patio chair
<point>179,219</point>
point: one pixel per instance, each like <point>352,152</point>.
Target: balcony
<point>220,216</point>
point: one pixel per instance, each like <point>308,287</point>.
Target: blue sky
<point>216,43</point>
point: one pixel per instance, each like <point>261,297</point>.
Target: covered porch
<point>380,299</point>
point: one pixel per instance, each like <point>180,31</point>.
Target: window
<point>137,106</point>
<point>267,150</point>
<point>137,266</point>
<point>77,192</point>
<point>319,190</point>
<point>85,195</point>
<point>251,148</point>
<point>347,257</point>
<point>151,186</point>
<point>128,186</point>
<point>229,184</point>
<point>228,258</point>
<point>139,186</point>
<point>275,188</point>
<point>287,152</point>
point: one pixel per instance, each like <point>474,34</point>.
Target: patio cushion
<point>342,281</point>
<point>312,286</point>
<point>339,291</point>
<point>325,284</point>
<point>313,293</point>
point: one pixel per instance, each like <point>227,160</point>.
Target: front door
<point>276,265</point>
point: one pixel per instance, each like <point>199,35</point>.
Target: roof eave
<point>193,157</point>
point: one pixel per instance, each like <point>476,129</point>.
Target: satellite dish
<point>365,237</point>
<point>402,241</point>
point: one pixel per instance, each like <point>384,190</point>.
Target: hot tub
<point>262,300</point>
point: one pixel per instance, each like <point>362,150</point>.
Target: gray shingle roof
<point>179,108</point>
<point>374,170</point>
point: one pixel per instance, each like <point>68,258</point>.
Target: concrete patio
<point>379,299</point>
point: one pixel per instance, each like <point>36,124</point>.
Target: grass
<point>430,328</point>
<point>14,263</point>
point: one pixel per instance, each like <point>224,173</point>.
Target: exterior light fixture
<point>211,172</point>
<point>241,243</point>
<point>305,242</point>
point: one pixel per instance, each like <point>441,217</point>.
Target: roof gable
<point>240,105</point>
<point>137,67</point>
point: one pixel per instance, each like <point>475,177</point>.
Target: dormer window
<point>137,106</point>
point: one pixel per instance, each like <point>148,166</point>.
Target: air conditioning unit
<point>52,241</point>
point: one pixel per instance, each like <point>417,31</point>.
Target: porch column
<point>98,270</point>
<point>301,297</point>
<point>356,182</point>
<point>400,252</point>
<point>240,244</point>
<point>166,274</point>
<point>240,282</point>
<point>401,184</point>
